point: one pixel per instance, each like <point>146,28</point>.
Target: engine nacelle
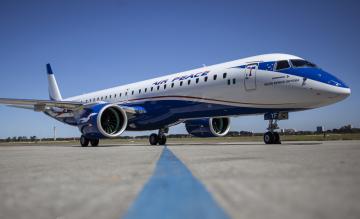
<point>103,121</point>
<point>208,127</point>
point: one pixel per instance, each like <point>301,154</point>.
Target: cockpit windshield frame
<point>301,63</point>
<point>282,64</point>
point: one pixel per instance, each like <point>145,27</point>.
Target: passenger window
<point>145,90</point>
<point>94,100</point>
<point>181,83</point>
<point>234,80</point>
<point>158,87</point>
<point>152,89</point>
<point>229,82</point>
<point>110,96</point>
<point>215,76</point>
<point>282,65</point>
<point>164,86</point>
<point>197,80</point>
<point>98,99</point>
<point>125,93</point>
<point>205,79</point>
<point>189,81</point>
<point>224,75</point>
<point>102,98</point>
<point>139,91</point>
<point>172,85</point>
<point>114,95</point>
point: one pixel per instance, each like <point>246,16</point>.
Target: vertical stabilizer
<point>54,92</point>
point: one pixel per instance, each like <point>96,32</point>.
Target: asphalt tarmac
<point>225,180</point>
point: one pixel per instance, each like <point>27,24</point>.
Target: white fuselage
<point>226,84</point>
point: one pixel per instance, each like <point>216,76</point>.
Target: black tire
<point>276,138</point>
<point>153,139</point>
<point>94,142</point>
<point>162,139</point>
<point>84,141</point>
<point>269,138</point>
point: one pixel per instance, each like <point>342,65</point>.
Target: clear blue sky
<point>98,44</point>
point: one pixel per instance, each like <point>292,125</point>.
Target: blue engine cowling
<point>103,121</point>
<point>208,127</point>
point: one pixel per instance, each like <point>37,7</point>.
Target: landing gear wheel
<point>84,141</point>
<point>276,138</point>
<point>162,139</point>
<point>94,142</point>
<point>269,138</point>
<point>153,139</point>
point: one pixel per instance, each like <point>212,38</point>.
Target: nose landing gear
<point>273,137</point>
<point>160,138</point>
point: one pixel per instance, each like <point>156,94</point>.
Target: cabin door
<point>250,76</point>
<point>127,94</point>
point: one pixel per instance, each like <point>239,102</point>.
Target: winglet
<point>48,69</point>
<point>54,92</point>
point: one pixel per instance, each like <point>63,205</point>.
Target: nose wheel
<point>273,137</point>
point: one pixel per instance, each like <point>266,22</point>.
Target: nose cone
<point>340,93</point>
<point>329,94</point>
<point>345,92</point>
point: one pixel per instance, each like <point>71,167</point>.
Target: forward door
<point>250,76</point>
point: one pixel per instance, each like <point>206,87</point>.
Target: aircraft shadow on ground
<point>208,144</point>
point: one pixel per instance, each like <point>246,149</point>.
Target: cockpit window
<point>282,65</point>
<point>302,63</point>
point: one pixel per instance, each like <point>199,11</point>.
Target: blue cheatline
<point>173,192</point>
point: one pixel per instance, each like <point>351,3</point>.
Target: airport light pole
<point>54,133</point>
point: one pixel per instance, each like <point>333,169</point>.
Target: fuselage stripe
<point>200,98</point>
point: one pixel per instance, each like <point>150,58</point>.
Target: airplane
<point>203,99</point>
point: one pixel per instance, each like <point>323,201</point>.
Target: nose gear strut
<point>273,137</point>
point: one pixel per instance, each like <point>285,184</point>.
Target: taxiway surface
<point>246,180</point>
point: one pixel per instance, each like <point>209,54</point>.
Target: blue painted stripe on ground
<point>173,192</point>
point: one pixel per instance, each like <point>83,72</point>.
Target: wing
<point>40,105</point>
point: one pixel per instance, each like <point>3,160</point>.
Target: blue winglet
<point>48,69</point>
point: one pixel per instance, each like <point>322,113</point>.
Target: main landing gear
<point>273,137</point>
<point>85,141</point>
<point>160,138</point>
